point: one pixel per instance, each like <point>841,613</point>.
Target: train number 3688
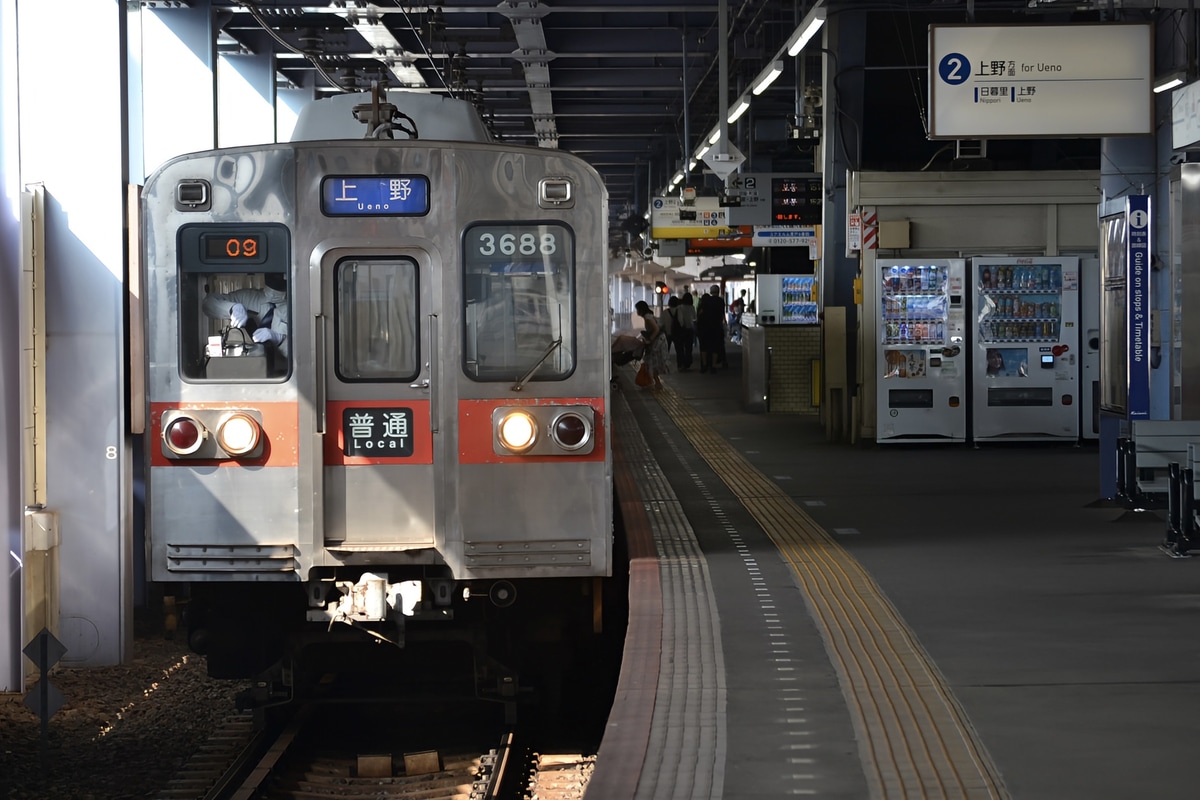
<point>525,244</point>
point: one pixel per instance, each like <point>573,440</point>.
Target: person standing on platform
<point>738,307</point>
<point>666,321</point>
<point>710,329</point>
<point>685,332</point>
<point>656,343</point>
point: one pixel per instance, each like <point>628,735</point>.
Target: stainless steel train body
<point>432,427</point>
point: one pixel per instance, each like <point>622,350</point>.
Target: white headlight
<point>238,434</point>
<point>517,431</point>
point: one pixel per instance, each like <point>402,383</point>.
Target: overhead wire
<point>424,48</point>
<point>253,11</point>
<point>910,60</point>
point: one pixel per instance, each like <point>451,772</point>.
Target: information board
<point>1080,80</point>
<point>703,218</point>
<point>766,198</point>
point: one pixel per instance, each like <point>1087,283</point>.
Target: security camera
<point>648,252</point>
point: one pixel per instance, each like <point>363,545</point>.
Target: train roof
<point>435,116</point>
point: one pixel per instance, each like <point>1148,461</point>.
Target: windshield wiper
<point>519,385</point>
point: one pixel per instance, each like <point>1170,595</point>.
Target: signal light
<point>661,288</point>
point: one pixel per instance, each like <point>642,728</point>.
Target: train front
<point>377,397</point>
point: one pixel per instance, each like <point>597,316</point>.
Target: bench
<point>1183,506</point>
<point>1144,460</point>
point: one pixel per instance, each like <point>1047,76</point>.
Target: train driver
<point>266,307</point>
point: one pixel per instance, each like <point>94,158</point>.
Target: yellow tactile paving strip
<point>915,739</point>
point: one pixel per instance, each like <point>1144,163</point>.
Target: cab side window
<point>234,305</point>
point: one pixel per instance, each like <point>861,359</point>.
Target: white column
<point>288,103</point>
<point>178,98</point>
<point>10,360</point>
<point>245,100</point>
<point>71,142</point>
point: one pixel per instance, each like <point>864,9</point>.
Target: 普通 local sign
<point>1080,80</point>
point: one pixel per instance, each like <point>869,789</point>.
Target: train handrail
<point>433,373</point>
<point>321,377</point>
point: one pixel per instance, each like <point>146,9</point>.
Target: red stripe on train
<point>281,435</point>
<point>475,434</point>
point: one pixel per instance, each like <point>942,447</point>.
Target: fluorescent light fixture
<point>703,149</point>
<point>806,30</point>
<point>715,137</point>
<point>737,109</point>
<point>691,165</point>
<point>1170,80</point>
<point>768,76</point>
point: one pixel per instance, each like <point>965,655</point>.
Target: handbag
<point>643,375</point>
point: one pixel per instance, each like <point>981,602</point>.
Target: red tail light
<point>183,435</point>
<point>571,431</point>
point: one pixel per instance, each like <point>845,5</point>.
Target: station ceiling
<point>629,85</point>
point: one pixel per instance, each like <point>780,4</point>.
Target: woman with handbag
<point>655,358</point>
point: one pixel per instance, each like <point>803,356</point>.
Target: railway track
<point>208,772</point>
<point>320,752</point>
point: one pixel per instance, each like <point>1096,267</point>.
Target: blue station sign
<point>1138,311</point>
<point>375,195</point>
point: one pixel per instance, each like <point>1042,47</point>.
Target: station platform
<point>818,619</point>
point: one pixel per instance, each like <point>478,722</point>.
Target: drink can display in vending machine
<point>1024,315</point>
<point>928,404</point>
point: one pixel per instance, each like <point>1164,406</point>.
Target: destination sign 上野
<point>375,195</point>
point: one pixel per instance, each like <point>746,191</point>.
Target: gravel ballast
<point>122,731</point>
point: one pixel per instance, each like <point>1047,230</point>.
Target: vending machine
<point>786,300</point>
<point>922,351</point>
<point>1025,348</point>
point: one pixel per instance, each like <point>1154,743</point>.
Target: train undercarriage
<point>512,643</point>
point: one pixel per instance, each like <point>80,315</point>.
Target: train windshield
<point>376,320</point>
<point>234,326</point>
<point>519,298</point>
